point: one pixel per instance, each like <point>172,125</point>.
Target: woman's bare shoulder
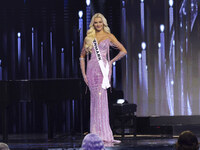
<point>111,37</point>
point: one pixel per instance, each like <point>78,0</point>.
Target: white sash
<point>104,69</point>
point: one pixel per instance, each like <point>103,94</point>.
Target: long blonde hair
<point>91,32</point>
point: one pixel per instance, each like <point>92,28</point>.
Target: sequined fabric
<point>99,113</point>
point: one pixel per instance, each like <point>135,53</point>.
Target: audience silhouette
<point>4,146</point>
<point>92,142</point>
<point>187,141</point>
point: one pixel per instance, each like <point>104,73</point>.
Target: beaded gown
<point>99,112</point>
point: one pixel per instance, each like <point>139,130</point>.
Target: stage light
<point>181,25</point>
<point>181,50</point>
<point>171,2</point>
<point>123,3</point>
<point>172,82</point>
<point>141,1</point>
<point>184,11</point>
<point>159,45</point>
<point>192,4</point>
<point>143,45</point>
<point>88,2</point>
<point>139,55</point>
<point>121,101</point>
<point>19,34</point>
<point>114,63</point>
<point>162,27</point>
<point>80,14</point>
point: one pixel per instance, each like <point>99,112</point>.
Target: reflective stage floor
<point>63,142</point>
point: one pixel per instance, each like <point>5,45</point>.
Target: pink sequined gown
<point>99,112</point>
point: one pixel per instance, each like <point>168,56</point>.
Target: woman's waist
<point>103,56</point>
<point>92,63</point>
<point>94,59</point>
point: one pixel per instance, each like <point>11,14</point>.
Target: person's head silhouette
<point>187,141</point>
<point>92,142</point>
<point>4,146</point>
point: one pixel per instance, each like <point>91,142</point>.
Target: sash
<point>104,69</point>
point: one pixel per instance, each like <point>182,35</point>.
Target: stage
<point>61,142</point>
<point>155,132</point>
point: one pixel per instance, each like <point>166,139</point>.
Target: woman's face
<point>98,24</point>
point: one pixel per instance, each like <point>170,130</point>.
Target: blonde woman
<point>98,74</point>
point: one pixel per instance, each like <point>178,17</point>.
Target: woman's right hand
<point>85,79</point>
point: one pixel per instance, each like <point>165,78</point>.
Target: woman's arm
<point>82,64</point>
<point>122,52</point>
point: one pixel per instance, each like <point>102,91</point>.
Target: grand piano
<point>48,90</point>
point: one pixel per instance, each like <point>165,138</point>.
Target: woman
<point>99,67</point>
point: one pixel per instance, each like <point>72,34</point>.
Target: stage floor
<point>153,133</point>
<point>62,142</point>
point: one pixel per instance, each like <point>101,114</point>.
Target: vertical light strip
<point>194,12</point>
<point>189,110</point>
<point>88,16</point>
<point>142,17</point>
<point>159,57</point>
<point>51,45</point>
<point>164,102</point>
<point>144,81</point>
<point>114,75</point>
<point>171,16</point>
<point>80,13</point>
<point>170,70</point>
<point>169,92</point>
<point>140,68</point>
<point>174,58</point>
<point>62,62</point>
<point>42,58</point>
<point>182,82</point>
<point>19,50</point>
<point>33,46</point>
